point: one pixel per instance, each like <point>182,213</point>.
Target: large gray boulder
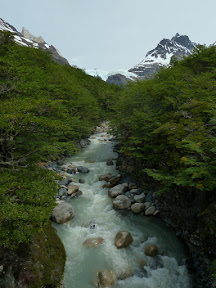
<point>123,239</point>
<point>121,202</point>
<point>62,213</point>
<point>117,190</point>
<point>115,179</point>
<point>137,208</point>
<point>139,198</point>
<point>150,211</point>
<point>82,169</point>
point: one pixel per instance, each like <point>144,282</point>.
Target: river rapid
<point>94,209</point>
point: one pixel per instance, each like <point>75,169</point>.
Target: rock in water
<point>137,208</point>
<point>93,242</point>
<point>115,179</point>
<point>118,190</point>
<point>105,177</point>
<point>106,278</point>
<point>82,169</point>
<point>72,189</point>
<point>62,213</point>
<point>123,239</point>
<point>151,250</point>
<point>109,162</point>
<point>121,202</point>
<point>139,198</point>
<point>150,211</point>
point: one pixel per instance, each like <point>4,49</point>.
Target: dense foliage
<point>169,123</point>
<point>45,108</point>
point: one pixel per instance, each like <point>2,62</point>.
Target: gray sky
<point>111,34</point>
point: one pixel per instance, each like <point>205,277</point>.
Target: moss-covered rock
<point>39,265</point>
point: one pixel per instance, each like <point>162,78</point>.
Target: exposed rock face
<point>29,36</point>
<point>25,38</point>
<point>151,250</point>
<point>123,239</point>
<point>106,278</point>
<point>93,242</point>
<point>121,202</point>
<point>118,79</point>
<point>62,213</point>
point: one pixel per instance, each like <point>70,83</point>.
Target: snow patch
<point>103,74</point>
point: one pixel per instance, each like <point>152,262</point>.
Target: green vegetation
<point>45,109</point>
<point>168,123</point>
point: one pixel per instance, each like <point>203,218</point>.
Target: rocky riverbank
<point>188,216</point>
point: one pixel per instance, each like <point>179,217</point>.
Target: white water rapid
<point>95,207</point>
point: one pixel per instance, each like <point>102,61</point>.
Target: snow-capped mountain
<point>178,46</point>
<point>25,38</point>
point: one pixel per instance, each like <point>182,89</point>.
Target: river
<point>94,207</point>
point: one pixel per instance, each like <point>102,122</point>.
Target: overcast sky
<point>111,34</point>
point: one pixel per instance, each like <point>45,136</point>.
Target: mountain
<point>25,38</point>
<point>178,46</point>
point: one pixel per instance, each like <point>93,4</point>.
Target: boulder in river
<point>105,177</point>
<point>151,250</point>
<point>137,208</point>
<point>117,190</point>
<point>139,198</point>
<point>136,191</point>
<point>72,189</point>
<point>107,185</point>
<point>132,186</point>
<point>76,194</point>
<point>71,170</point>
<point>109,162</point>
<point>150,211</point>
<point>123,239</point>
<point>82,169</point>
<point>84,142</point>
<point>106,278</point>
<point>124,273</point>
<point>115,179</point>
<point>93,242</point>
<point>121,202</point>
<point>62,213</point>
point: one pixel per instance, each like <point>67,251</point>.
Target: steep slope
<point>25,38</point>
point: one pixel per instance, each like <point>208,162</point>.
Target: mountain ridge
<point>178,46</point>
<point>25,38</point>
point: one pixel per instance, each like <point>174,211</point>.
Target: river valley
<point>96,217</point>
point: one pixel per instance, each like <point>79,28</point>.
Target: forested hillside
<point>45,108</point>
<point>167,126</point>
